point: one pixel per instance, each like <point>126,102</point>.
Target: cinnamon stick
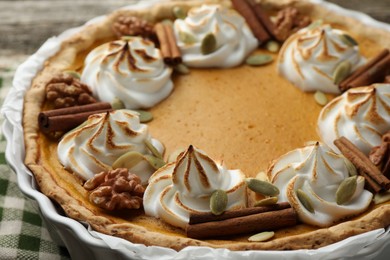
<point>175,51</point>
<point>168,46</point>
<point>246,224</point>
<point>361,161</point>
<point>265,20</point>
<point>246,10</point>
<point>372,72</point>
<point>201,217</point>
<point>65,119</point>
<point>370,184</point>
<point>163,40</point>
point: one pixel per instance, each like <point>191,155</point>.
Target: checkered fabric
<point>23,234</point>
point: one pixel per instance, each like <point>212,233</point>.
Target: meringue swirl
<point>186,185</point>
<point>318,171</point>
<point>131,69</point>
<point>234,38</point>
<point>309,58</point>
<point>96,144</point>
<point>361,115</point>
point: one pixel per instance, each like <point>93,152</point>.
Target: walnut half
<point>115,189</point>
<point>66,91</point>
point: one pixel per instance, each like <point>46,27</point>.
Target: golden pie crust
<point>245,116</point>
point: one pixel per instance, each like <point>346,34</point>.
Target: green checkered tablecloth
<point>23,234</point>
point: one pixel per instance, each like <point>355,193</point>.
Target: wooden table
<point>25,25</point>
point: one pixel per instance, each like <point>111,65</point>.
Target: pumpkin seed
<point>263,187</point>
<point>263,236</point>
<point>127,38</point>
<point>167,22</point>
<point>73,73</point>
<point>310,143</point>
<point>179,12</point>
<point>155,162</point>
<point>272,46</point>
<point>346,190</point>
<point>209,44</point>
<point>116,104</point>
<point>262,176</point>
<point>187,38</point>
<point>153,149</point>
<point>350,167</point>
<point>218,202</point>
<point>144,116</point>
<point>320,98</point>
<point>348,40</point>
<point>341,71</point>
<point>305,200</point>
<point>259,59</point>
<point>128,160</point>
<point>266,202</point>
<point>315,24</point>
<point>173,156</point>
<point>182,69</point>
<point>382,197</point>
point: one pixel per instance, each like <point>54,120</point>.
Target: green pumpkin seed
<point>263,236</point>
<point>315,24</point>
<point>272,46</point>
<point>153,149</point>
<point>382,197</point>
<point>263,187</point>
<point>187,38</point>
<point>350,167</point>
<point>342,71</point>
<point>182,69</point>
<point>209,44</point>
<point>173,156</point>
<point>266,202</point>
<point>262,176</point>
<point>259,59</point>
<point>348,40</point>
<point>116,104</point>
<point>73,73</point>
<point>179,12</point>
<point>128,160</point>
<point>346,190</point>
<point>144,116</point>
<point>305,200</point>
<point>167,22</point>
<point>320,98</point>
<point>155,162</point>
<point>218,202</point>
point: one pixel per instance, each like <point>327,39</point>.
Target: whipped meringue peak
<point>97,143</point>
<point>310,57</point>
<point>186,185</point>
<point>362,115</point>
<point>234,39</point>
<point>130,69</point>
<point>318,172</point>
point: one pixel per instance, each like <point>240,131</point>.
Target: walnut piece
<point>289,21</point>
<point>115,189</point>
<point>133,26</point>
<point>66,91</point>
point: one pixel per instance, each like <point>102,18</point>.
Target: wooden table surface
<point>25,25</point>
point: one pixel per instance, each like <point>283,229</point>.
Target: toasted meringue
<point>362,115</point>
<point>95,145</point>
<point>234,38</point>
<point>318,172</point>
<point>131,69</point>
<point>186,185</point>
<point>309,58</point>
